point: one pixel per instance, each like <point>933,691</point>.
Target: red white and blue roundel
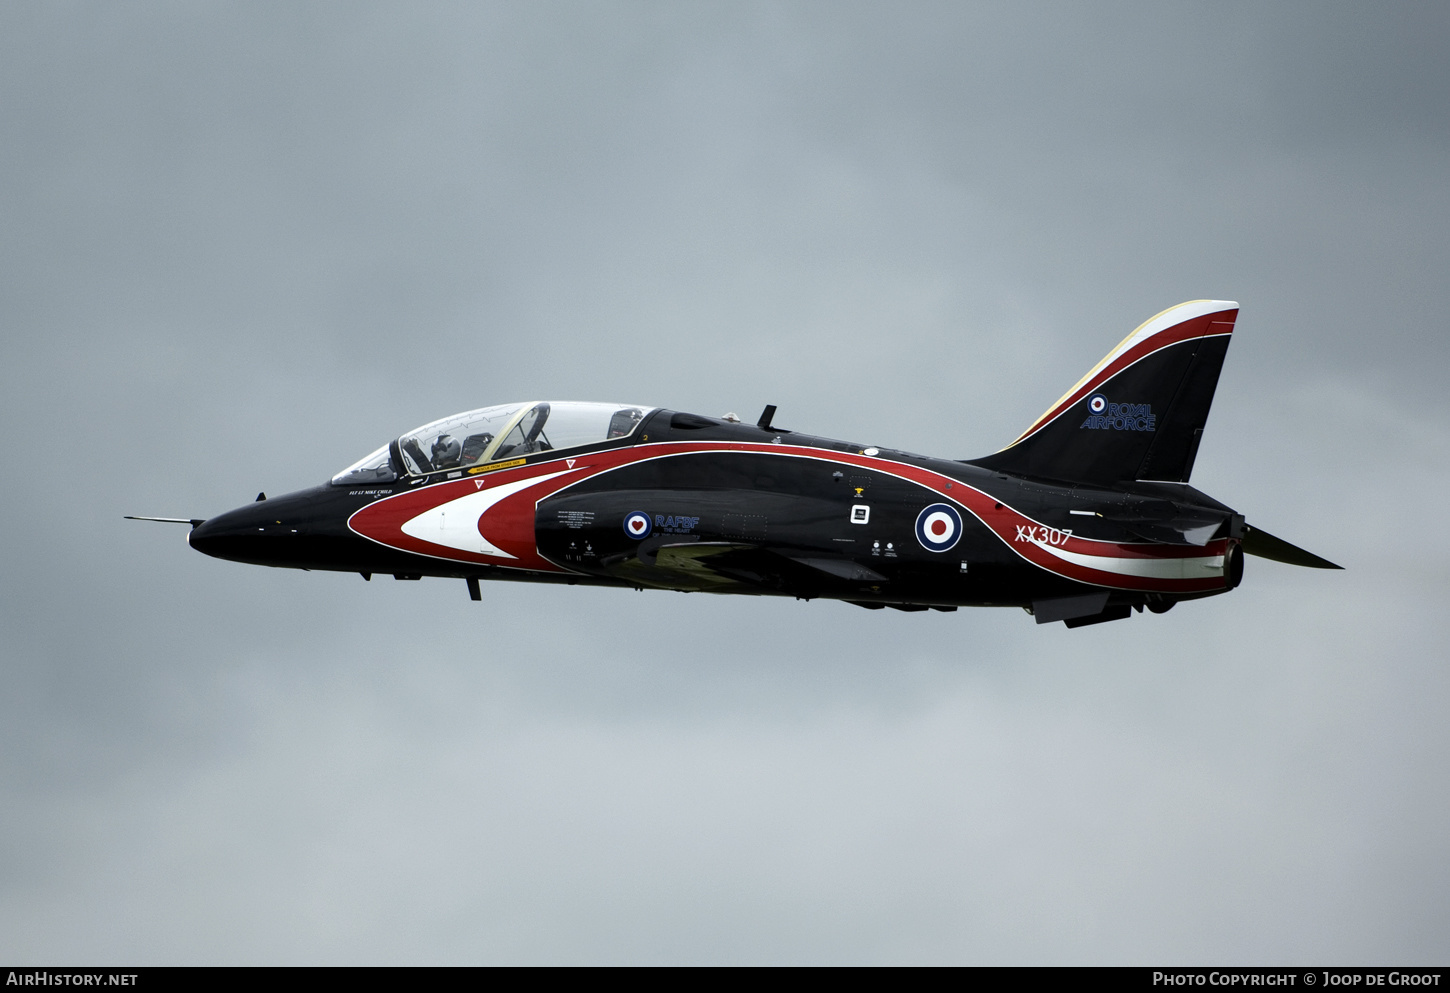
<point>637,524</point>
<point>938,527</point>
<point>1097,403</point>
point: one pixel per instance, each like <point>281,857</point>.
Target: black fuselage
<point>700,504</point>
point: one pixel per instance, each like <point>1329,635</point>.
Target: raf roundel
<point>637,524</point>
<point>1097,403</point>
<point>938,527</point>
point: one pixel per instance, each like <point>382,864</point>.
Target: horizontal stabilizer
<point>1266,546</point>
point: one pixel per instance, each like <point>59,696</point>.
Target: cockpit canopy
<point>492,434</point>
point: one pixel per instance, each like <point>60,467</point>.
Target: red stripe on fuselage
<point>509,524</point>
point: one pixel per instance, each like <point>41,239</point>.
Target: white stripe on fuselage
<point>455,524</point>
<point>1205,567</point>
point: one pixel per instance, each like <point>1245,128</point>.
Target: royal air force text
<point>1123,417</point>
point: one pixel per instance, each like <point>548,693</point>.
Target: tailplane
<point>1137,414</point>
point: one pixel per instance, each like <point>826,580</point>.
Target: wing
<point>738,567</point>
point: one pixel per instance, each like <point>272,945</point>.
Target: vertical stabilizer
<point>1137,414</point>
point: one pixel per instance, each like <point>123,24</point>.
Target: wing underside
<point>740,567</point>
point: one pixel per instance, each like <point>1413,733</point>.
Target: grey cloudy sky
<point>240,246</point>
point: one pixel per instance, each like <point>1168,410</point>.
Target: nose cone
<point>233,535</point>
<point>299,530</point>
<point>201,538</point>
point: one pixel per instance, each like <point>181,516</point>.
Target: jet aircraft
<point>1086,517</point>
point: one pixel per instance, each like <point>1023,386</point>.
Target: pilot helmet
<point>445,451</point>
<point>623,422</point>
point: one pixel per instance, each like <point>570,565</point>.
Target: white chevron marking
<point>455,524</point>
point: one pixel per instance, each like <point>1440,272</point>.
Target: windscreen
<point>374,468</point>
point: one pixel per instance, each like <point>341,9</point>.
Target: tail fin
<point>1137,414</point>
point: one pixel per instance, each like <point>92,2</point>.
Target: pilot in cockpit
<point>623,422</point>
<point>446,452</point>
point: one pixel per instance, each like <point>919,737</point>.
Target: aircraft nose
<point>212,536</point>
<point>263,533</point>
<point>298,530</point>
<point>226,536</point>
<point>202,537</point>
